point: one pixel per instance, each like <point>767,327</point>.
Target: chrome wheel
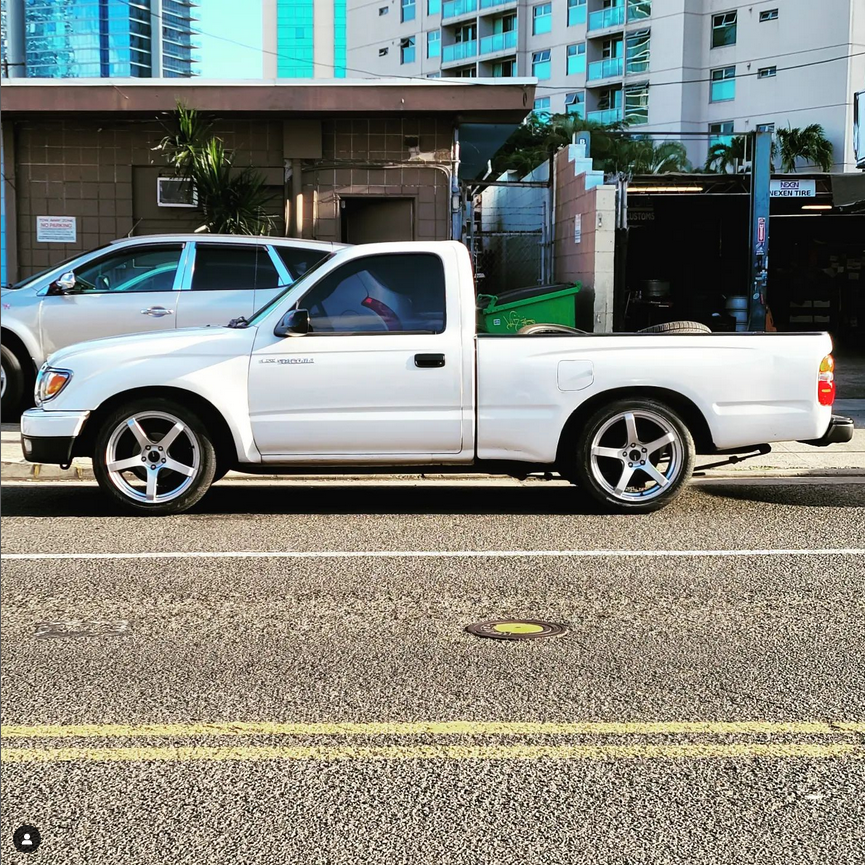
<point>152,457</point>
<point>2,380</point>
<point>636,455</point>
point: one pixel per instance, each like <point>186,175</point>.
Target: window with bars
<point>723,86</point>
<point>542,19</point>
<point>541,65</point>
<point>576,59</point>
<point>723,29</point>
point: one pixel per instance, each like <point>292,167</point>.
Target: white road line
<point>439,554</point>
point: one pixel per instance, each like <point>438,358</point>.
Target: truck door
<point>379,375</point>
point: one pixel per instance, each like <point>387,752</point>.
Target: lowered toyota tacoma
<point>373,361</point>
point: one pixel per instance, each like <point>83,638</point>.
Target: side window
<point>232,266</point>
<point>401,293</point>
<point>299,261</point>
<point>139,268</point>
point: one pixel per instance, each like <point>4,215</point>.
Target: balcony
<point>455,8</point>
<point>604,18</point>
<point>459,51</point>
<point>606,116</point>
<point>609,68</point>
<point>499,42</point>
<point>490,4</point>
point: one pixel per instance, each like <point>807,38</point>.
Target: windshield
<point>268,307</point>
<point>37,276</point>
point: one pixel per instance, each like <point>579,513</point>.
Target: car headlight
<point>50,382</point>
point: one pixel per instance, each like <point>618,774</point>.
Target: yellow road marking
<point>437,728</point>
<point>645,751</point>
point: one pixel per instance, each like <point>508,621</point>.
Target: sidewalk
<point>787,459</point>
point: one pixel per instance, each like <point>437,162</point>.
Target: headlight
<point>50,382</point>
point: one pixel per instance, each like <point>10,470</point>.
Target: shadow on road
<point>252,500</point>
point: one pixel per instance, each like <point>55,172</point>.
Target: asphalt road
<point>310,707</point>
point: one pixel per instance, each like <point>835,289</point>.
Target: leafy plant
<point>727,154</point>
<point>809,144</point>
<point>232,201</point>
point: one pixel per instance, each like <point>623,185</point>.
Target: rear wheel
<point>154,457</point>
<point>11,383</point>
<point>634,456</point>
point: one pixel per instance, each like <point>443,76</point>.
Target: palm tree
<point>727,154</point>
<point>231,201</point>
<point>809,144</point>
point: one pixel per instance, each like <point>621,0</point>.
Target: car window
<point>133,269</point>
<point>220,268</point>
<point>397,293</point>
<point>299,261</point>
<point>29,280</point>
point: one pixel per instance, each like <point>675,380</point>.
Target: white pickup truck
<point>373,360</point>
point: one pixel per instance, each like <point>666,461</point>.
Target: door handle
<point>156,311</point>
<point>427,361</point>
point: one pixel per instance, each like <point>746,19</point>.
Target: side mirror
<point>64,284</point>
<point>294,323</point>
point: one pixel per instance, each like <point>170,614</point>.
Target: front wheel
<point>634,456</point>
<point>11,383</point>
<point>154,457</point>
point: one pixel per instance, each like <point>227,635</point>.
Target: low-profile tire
<point>677,327</point>
<point>11,383</point>
<point>154,457</point>
<point>634,455</point>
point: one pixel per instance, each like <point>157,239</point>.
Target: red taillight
<point>826,381</point>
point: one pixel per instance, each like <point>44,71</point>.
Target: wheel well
<point>690,414</point>
<point>16,345</point>
<point>223,441</point>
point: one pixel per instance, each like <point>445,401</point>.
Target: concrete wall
<point>591,260</point>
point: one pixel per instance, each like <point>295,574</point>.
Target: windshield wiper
<point>238,322</point>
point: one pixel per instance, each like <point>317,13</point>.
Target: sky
<point>221,59</point>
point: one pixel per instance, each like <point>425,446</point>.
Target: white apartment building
<point>714,66</point>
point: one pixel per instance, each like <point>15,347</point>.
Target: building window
<point>768,15</point>
<point>408,10</point>
<point>383,10</point>
<point>576,59</point>
<point>382,52</point>
<point>639,9</point>
<point>505,69</point>
<point>576,12</point>
<point>406,51</point>
<point>468,72</point>
<point>723,87</point>
<point>541,66</point>
<point>542,106</point>
<point>434,75</point>
<point>723,29</point>
<point>765,127</point>
<point>637,52</point>
<point>575,103</point>
<point>767,72</point>
<point>721,133</point>
<point>542,19</point>
<point>433,43</point>
<point>434,7</point>
<point>637,104</point>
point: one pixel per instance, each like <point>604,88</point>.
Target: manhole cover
<point>516,629</point>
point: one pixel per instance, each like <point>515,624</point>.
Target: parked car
<point>142,284</point>
<point>373,359</point>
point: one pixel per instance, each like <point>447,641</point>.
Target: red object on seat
<point>384,312</point>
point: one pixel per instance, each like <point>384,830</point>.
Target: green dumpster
<point>509,312</point>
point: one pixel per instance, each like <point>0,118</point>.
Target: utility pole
<point>761,175</point>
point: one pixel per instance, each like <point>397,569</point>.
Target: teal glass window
<point>408,10</point>
<point>434,7</point>
<point>339,39</point>
<point>576,59</point>
<point>294,39</point>
<point>433,43</point>
<point>575,103</point>
<point>542,18</point>
<point>723,86</point>
<point>406,51</point>
<point>723,29</point>
<point>576,12</point>
<point>541,66</point>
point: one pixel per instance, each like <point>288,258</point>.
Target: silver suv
<point>142,284</point>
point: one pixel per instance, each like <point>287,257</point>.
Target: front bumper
<point>49,436</point>
<point>840,430</point>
